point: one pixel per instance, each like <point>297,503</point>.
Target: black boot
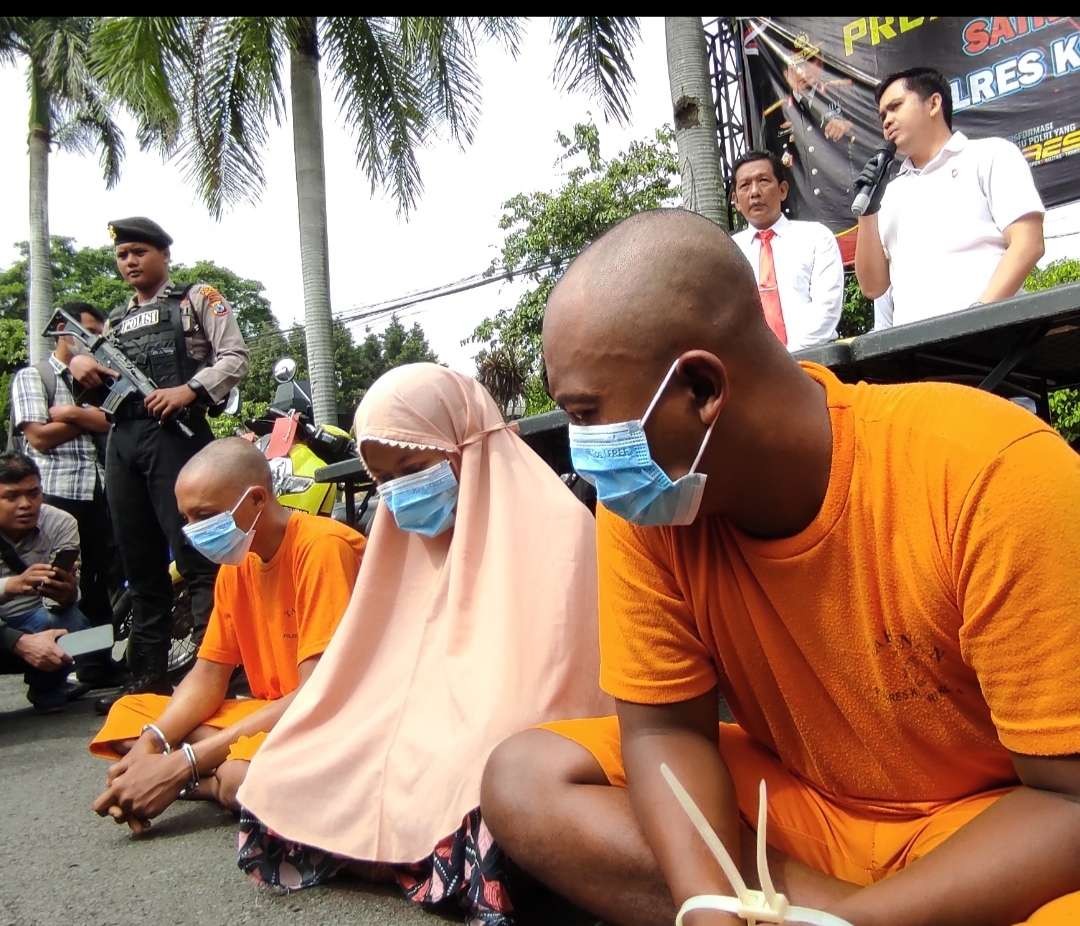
<point>102,673</point>
<point>139,684</point>
<point>55,700</point>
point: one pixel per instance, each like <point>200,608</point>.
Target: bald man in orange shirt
<point>284,582</point>
<point>882,581</point>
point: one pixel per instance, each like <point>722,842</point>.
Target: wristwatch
<point>201,395</point>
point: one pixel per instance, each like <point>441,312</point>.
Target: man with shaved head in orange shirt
<point>882,581</point>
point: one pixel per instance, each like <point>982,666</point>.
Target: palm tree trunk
<point>311,200</point>
<point>41,283</point>
<point>695,118</point>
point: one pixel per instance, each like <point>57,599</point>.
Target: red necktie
<point>770,295</point>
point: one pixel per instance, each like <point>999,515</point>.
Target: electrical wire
<point>400,305</point>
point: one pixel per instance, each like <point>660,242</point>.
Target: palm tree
<point>67,110</point>
<point>205,87</point>
<point>504,372</point>
<point>695,117</point>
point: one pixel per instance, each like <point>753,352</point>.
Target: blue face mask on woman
<point>424,502</point>
<point>219,539</point>
<point>615,459</point>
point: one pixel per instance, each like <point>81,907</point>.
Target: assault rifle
<point>131,380</point>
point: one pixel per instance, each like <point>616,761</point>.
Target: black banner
<point>811,95</point>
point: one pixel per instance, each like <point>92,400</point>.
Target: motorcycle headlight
<point>284,481</point>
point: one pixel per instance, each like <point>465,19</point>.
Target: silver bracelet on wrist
<point>158,735</point>
<point>193,767</point>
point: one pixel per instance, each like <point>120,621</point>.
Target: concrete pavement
<point>62,865</point>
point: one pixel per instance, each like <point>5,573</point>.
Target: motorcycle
<point>295,449</point>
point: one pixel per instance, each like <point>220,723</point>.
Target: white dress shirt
<point>883,310</point>
<point>809,277</point>
<point>942,226</point>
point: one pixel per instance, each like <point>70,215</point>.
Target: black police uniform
<point>795,131</point>
<point>144,458</point>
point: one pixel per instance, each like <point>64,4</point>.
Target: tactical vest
<point>152,337</point>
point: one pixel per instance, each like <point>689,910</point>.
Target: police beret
<point>139,228</point>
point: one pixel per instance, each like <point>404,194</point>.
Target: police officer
<point>186,340</point>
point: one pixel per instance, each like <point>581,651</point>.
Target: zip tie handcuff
<point>764,906</point>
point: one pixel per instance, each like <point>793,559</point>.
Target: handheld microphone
<point>884,158</point>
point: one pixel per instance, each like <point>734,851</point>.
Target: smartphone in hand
<point>66,559</point>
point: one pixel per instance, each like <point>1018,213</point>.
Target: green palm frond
<point>380,99</point>
<point>441,51</point>
<point>89,127</point>
<point>62,53</point>
<point>504,372</point>
<point>144,62</point>
<point>505,30</point>
<point>13,38</point>
<point>594,54</point>
<point>59,48</point>
<point>235,85</point>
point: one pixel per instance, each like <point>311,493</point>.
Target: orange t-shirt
<point>272,616</point>
<point>928,615</point>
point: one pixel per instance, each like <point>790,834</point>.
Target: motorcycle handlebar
<point>311,432</point>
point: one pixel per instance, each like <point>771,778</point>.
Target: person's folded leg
<point>131,713</point>
<point>940,825</point>
<point>600,736</point>
<point>547,799</point>
<point>802,822</point>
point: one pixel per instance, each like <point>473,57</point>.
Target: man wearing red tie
<point>797,264</point>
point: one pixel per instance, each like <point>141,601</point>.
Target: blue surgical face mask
<point>423,502</point>
<point>615,458</point>
<point>219,539</point>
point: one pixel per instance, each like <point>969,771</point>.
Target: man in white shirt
<point>797,264</point>
<point>962,222</point>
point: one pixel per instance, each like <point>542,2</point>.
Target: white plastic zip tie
<point>764,906</point>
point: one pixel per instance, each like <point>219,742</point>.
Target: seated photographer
<point>39,552</point>
<point>63,432</point>
<point>285,580</point>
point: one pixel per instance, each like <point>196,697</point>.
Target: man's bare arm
<point>213,750</point>
<point>871,264</point>
<point>195,699</point>
<point>685,736</point>
<point>45,437</point>
<point>1006,863</point>
<point>1023,248</point>
<point>68,422</point>
<point>85,418</point>
<point>143,783</point>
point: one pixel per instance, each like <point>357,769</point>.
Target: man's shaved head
<point>655,285</point>
<point>231,462</point>
<point>669,289</point>
<point>219,475</point>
